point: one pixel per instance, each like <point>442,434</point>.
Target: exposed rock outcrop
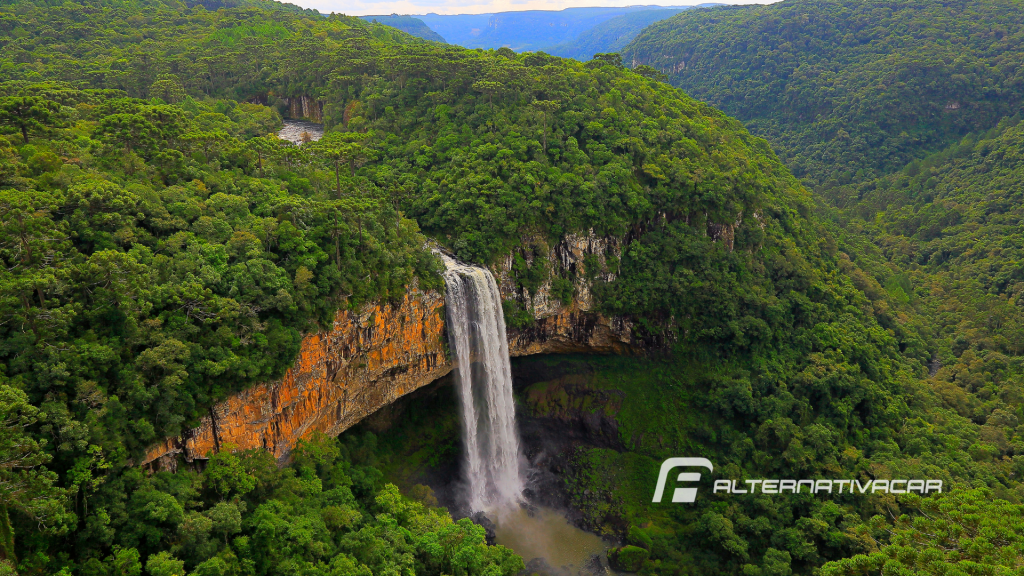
<point>369,359</point>
<point>304,108</point>
<point>569,258</point>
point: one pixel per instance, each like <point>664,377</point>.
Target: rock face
<point>569,259</point>
<point>304,108</point>
<point>369,359</point>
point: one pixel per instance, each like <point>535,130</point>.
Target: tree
<point>30,246</point>
<point>546,108</point>
<point>651,73</point>
<point>163,564</point>
<point>342,148</point>
<point>29,113</point>
<point>263,147</point>
<point>167,87</point>
<point>125,562</point>
<point>964,531</point>
<point>8,163</point>
<point>227,475</point>
<point>613,58</point>
<point>130,131</point>
<point>488,87</point>
<point>226,518</point>
<point>25,484</point>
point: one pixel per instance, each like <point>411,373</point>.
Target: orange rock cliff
<point>370,358</point>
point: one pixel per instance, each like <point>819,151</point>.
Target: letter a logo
<point>680,494</point>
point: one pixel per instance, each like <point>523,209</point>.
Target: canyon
<point>372,356</point>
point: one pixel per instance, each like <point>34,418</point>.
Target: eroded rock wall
<point>304,108</point>
<point>365,361</point>
<point>369,359</point>
<point>569,259</point>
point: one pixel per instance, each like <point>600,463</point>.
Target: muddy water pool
<point>546,534</point>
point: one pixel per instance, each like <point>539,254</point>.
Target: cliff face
<point>304,108</point>
<point>369,359</point>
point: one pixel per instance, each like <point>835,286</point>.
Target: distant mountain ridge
<point>847,90</point>
<point>611,35</point>
<point>528,30</point>
<point>408,24</point>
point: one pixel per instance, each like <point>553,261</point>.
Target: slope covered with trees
<point>904,115</point>
<point>950,225</point>
<point>928,220</point>
<point>237,53</point>
<point>161,250</point>
<point>847,90</point>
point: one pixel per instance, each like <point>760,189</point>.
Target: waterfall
<point>476,335</point>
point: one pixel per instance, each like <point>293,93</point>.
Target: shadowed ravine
<point>421,443</point>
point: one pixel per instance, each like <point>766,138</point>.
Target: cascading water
<point>476,334</point>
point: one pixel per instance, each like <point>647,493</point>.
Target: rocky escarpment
<point>369,358</point>
<point>304,108</point>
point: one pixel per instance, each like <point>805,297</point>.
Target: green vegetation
<point>678,407</point>
<point>156,260</point>
<point>948,229</point>
<point>967,532</point>
<point>905,117</point>
<point>239,53</point>
<point>162,249</point>
<point>847,90</point>
<point>628,558</point>
<point>407,24</point>
<point>611,35</point>
<point>327,514</point>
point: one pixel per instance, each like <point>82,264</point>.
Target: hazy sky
<point>362,7</point>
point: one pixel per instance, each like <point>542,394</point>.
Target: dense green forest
<point>948,229</point>
<point>163,249</point>
<point>847,90</point>
<point>905,117</point>
<point>923,207</point>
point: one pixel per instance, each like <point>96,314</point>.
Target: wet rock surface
<point>481,519</point>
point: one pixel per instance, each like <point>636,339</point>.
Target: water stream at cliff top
<point>483,376</point>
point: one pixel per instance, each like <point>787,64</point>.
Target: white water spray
<point>476,334</point>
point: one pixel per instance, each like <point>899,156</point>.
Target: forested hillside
<point>847,90</point>
<point>944,237</point>
<point>162,249</point>
<point>905,117</point>
<point>950,224</point>
<point>239,53</point>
